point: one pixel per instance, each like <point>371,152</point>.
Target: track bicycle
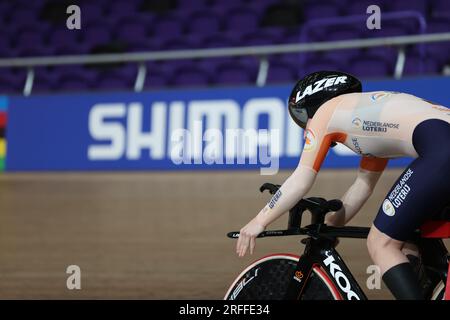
<point>320,273</point>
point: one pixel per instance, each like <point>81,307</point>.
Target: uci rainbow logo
<point>378,96</point>
<point>310,140</point>
<point>3,121</point>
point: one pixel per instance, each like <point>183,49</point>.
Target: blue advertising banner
<point>234,128</point>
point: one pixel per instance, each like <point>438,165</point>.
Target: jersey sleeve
<point>318,138</point>
<point>373,164</point>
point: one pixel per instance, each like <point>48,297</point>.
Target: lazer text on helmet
<point>319,86</point>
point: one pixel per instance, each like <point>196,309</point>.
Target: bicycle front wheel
<point>268,279</point>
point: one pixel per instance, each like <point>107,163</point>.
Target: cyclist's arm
<point>369,172</point>
<point>317,144</point>
<point>292,190</point>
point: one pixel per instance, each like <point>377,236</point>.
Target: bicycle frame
<point>320,249</point>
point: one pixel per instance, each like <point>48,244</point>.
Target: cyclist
<point>331,107</point>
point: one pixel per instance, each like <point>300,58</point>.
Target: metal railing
<point>262,52</point>
<point>361,19</point>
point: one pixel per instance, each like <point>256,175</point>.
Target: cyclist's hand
<point>247,237</point>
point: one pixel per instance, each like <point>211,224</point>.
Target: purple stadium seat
<point>218,40</point>
<point>119,9</point>
<point>144,18</point>
<point>15,29</point>
<point>96,35</point>
<point>72,84</point>
<point>259,38</point>
<point>127,71</point>
<point>235,37</point>
<point>168,26</point>
<point>107,82</point>
<point>411,26</point>
<point>241,20</point>
<point>341,56</point>
<point>42,87</point>
<point>91,11</point>
<point>30,43</point>
<point>410,5</point>
<point>293,59</point>
<point>13,78</point>
<point>132,33</point>
<point>413,64</point>
<point>190,76</point>
<point>32,51</point>
<point>343,33</point>
<point>292,36</point>
<point>44,80</point>
<point>214,64</point>
<point>28,4</point>
<point>63,36</point>
<point>276,33</point>
<point>438,25</point>
<point>33,37</point>
<point>319,63</point>
<point>256,39</point>
<point>204,23</point>
<point>388,54</point>
<point>221,6</point>
<point>169,67</point>
<point>191,5</point>
<point>156,44</point>
<point>440,6</point>
<point>259,7</point>
<point>5,45</point>
<point>70,49</point>
<point>233,74</point>
<point>313,34</point>
<point>74,72</point>
<point>438,51</point>
<point>141,47</point>
<point>22,16</point>
<point>281,73</point>
<point>320,10</point>
<point>370,67</point>
<point>181,44</point>
<point>5,8</point>
<point>6,87</point>
<point>250,63</point>
<point>155,79</point>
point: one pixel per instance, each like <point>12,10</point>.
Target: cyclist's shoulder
<point>372,100</point>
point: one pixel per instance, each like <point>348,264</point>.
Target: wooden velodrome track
<point>146,235</point>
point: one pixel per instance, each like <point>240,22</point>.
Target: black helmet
<point>317,88</point>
